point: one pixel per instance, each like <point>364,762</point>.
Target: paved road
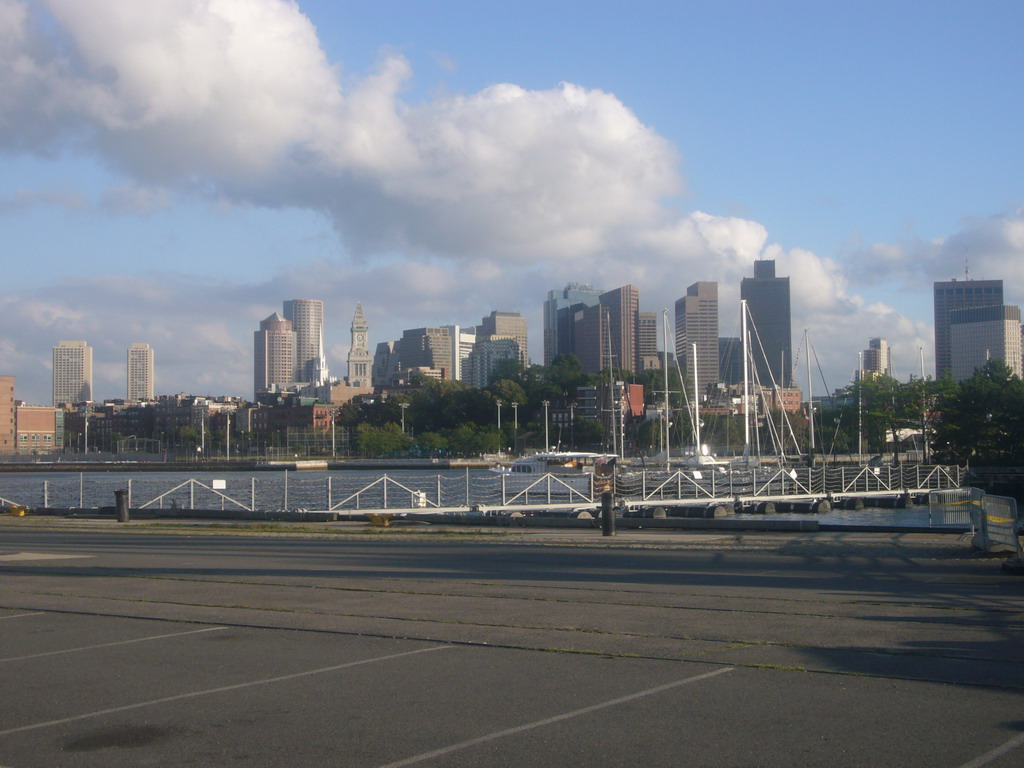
<point>149,645</point>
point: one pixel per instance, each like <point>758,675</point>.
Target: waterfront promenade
<point>180,643</point>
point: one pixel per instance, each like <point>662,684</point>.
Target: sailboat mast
<point>696,407</point>
<point>606,319</point>
<point>664,369</point>
<point>746,380</point>
<point>810,397</point>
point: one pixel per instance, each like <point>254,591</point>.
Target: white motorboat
<point>555,463</point>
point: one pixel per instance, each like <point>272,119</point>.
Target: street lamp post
<point>498,403</point>
<point>515,426</point>
<point>547,442</point>
<point>403,406</point>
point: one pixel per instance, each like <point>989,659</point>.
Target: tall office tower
<point>606,334</point>
<point>877,358</point>
<point>140,373</point>
<point>425,348</point>
<point>307,319</point>
<point>462,341</point>
<point>7,415</point>
<point>274,354</point>
<point>590,336</point>
<point>360,361</point>
<point>767,298</point>
<point>730,360</point>
<point>647,341</point>
<point>623,305</point>
<point>506,324</point>
<point>697,323</point>
<point>385,363</point>
<point>559,310</point>
<point>980,334</point>
<point>959,294</point>
<point>72,372</point>
<point>483,360</point>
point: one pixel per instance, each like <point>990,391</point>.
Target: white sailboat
<point>701,457</point>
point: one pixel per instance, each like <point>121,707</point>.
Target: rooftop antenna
<point>967,268</point>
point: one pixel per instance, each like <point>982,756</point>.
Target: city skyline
<point>434,175</point>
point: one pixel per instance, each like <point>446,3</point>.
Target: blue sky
<point>171,176</point>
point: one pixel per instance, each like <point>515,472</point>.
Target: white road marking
<point>550,720</point>
<point>999,751</point>
<point>109,645</point>
<point>22,615</point>
<point>38,556</point>
<point>210,691</point>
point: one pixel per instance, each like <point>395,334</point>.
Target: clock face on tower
<point>359,338</point>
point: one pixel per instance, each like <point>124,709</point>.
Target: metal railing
<point>343,491</point>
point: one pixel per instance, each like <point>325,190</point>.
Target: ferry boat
<point>556,463</point>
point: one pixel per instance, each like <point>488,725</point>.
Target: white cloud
<point>984,248</point>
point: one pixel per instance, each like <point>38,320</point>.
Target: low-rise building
<point>40,429</point>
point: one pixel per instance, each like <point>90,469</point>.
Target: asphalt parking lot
<point>202,646</point>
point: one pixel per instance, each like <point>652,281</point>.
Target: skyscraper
<point>274,354</point>
<point>959,294</point>
<point>647,341</point>
<point>980,334</point>
<point>697,323</point>
<point>427,348</point>
<point>307,319</point>
<point>463,340</point>
<point>559,316</point>
<point>730,360</point>
<point>877,358</point>
<point>360,360</point>
<point>140,372</point>
<point>487,352</point>
<point>606,334</point>
<point>506,324</point>
<point>72,372</point>
<point>771,339</point>
<point>623,305</point>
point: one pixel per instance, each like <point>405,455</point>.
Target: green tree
<point>432,443</point>
<point>472,440</point>
<point>982,421</point>
<point>508,392</point>
<point>381,441</point>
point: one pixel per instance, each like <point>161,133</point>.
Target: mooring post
<point>121,503</point>
<point>607,514</point>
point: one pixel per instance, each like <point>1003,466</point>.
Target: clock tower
<point>360,361</point>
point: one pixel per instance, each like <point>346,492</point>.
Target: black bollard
<point>607,514</point>
<point>121,502</point>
